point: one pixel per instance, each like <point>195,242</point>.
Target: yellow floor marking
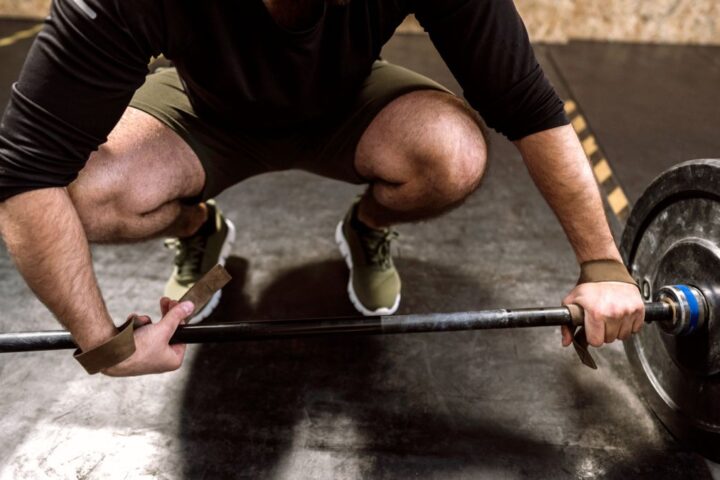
<point>602,171</point>
<point>21,35</point>
<point>617,200</point>
<point>590,146</point>
<point>579,124</point>
<point>570,107</point>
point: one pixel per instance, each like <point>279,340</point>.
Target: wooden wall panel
<point>667,21</point>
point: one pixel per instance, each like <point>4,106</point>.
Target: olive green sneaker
<point>374,284</point>
<point>197,254</point>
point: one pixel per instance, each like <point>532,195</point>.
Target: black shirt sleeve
<point>486,46</point>
<point>77,80</point>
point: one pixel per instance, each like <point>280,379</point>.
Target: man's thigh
<point>338,138</point>
<point>220,155</point>
<point>143,164</point>
<point>323,146</point>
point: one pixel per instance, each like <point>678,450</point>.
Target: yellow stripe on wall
<point>579,124</point>
<point>614,195</point>
<point>590,146</point>
<point>617,200</point>
<point>602,171</point>
<point>21,35</point>
<point>570,107</point>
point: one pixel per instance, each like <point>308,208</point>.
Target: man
<point>263,85</point>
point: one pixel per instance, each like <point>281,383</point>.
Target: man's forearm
<point>48,244</point>
<point>559,168</point>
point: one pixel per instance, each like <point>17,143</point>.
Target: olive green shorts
<point>325,147</point>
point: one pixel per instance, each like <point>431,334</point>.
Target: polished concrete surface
<point>502,404</point>
<point>650,106</point>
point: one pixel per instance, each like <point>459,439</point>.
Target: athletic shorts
<point>325,147</point>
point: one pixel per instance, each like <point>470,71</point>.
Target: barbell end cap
<point>689,308</point>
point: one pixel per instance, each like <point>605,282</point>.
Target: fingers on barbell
<point>638,322</point>
<point>163,303</point>
<point>595,329</point>
<point>141,321</point>
<point>167,304</point>
<point>566,336</point>
<point>179,350</point>
<point>626,327</point>
<point>613,325</point>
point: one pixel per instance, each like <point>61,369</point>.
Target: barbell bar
<point>671,240</point>
<point>674,310</point>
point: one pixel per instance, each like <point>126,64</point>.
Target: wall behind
<point>655,21</point>
<point>668,21</point>
<point>24,8</point>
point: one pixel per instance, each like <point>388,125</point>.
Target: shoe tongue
<point>377,244</point>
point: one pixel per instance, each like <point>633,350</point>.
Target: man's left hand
<point>612,310</point>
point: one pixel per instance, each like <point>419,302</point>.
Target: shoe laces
<point>376,244</point>
<point>188,256</point>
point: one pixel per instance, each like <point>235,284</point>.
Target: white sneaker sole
<point>345,251</point>
<point>224,253</point>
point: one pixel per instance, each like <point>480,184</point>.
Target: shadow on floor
<point>248,405</point>
<point>357,406</point>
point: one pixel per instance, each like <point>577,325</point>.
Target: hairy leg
<point>423,154</point>
<point>132,188</point>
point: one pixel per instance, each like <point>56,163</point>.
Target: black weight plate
<point>673,237</point>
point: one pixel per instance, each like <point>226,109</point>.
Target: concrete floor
<point>505,404</point>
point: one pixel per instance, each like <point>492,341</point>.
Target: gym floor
<point>495,404</point>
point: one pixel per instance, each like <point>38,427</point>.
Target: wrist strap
<point>604,271</point>
<point>117,349</point>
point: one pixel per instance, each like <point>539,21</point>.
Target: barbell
<point>673,237</point>
<point>671,244</point>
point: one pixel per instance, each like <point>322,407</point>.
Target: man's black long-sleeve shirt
<point>239,66</point>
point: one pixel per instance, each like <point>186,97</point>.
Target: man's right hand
<point>153,352</point>
<point>47,241</point>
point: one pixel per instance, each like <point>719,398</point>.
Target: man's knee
<point>456,172</point>
<point>105,206</point>
<point>451,152</point>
